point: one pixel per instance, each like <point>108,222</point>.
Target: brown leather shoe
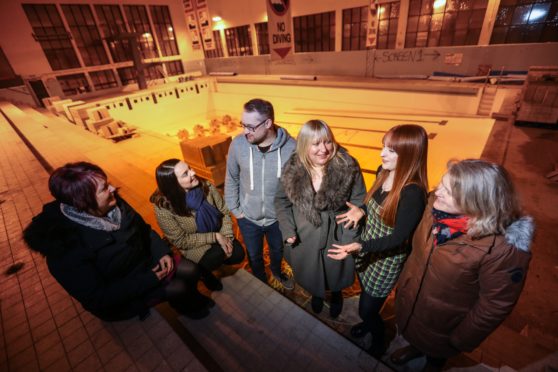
<point>405,354</point>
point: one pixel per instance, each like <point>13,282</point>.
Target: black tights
<point>185,281</point>
<point>215,256</point>
<point>369,310</point>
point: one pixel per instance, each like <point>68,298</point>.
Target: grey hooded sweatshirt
<point>252,177</point>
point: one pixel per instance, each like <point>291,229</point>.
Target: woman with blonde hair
<point>394,206</point>
<point>468,265</point>
<point>318,180</point>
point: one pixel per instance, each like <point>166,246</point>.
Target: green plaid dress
<point>383,270</point>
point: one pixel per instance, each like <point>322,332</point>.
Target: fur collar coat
<point>335,191</point>
<point>309,216</point>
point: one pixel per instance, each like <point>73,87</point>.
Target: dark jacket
<point>450,298</point>
<point>108,272</point>
<point>310,216</point>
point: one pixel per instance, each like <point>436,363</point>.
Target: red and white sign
<point>199,24</point>
<point>280,29</point>
<point>372,25</point>
<point>205,28</point>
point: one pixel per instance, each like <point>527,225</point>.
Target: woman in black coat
<point>104,254</point>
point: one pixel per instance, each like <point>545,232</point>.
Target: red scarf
<point>448,226</point>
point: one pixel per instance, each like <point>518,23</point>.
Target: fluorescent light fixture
<point>222,73</point>
<point>217,19</point>
<point>298,77</point>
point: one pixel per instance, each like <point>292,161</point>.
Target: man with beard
<point>253,171</point>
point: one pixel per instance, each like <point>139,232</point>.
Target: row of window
<point>94,36</point>
<point>119,29</point>
<point>78,84</point>
<point>430,23</point>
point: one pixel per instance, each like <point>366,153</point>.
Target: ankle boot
<point>317,304</point>
<point>359,330</point>
<point>336,305</point>
<point>211,282</point>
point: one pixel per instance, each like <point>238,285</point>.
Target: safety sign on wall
<point>280,29</point>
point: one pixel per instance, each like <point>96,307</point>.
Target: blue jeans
<point>253,239</point>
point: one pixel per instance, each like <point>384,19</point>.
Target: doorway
<point>39,90</point>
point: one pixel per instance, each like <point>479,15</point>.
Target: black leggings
<point>215,256</point>
<point>369,310</point>
<point>184,282</point>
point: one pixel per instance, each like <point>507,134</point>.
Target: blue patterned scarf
<point>208,218</point>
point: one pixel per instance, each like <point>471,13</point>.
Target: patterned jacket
<point>181,230</point>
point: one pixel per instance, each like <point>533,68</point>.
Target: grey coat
<point>310,216</point>
<point>252,177</point>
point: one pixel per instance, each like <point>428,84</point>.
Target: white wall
<point>381,63</point>
<point>169,114</point>
<point>229,98</point>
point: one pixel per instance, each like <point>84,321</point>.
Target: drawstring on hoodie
<point>278,163</point>
<point>251,170</point>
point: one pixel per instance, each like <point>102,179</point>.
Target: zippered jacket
<point>252,177</point>
<point>452,296</point>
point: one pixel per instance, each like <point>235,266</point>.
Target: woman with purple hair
<point>104,254</point>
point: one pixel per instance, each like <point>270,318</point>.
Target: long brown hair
<point>410,142</point>
<point>173,195</point>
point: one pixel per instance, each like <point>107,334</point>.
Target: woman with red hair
<point>393,208</point>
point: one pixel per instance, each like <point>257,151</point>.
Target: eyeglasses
<point>252,128</point>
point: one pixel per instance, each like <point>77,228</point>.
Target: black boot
<point>211,281</point>
<point>317,304</point>
<point>336,305</point>
<point>189,309</point>
<point>359,330</point>
<point>378,347</point>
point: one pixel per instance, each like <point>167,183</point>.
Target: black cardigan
<point>108,272</point>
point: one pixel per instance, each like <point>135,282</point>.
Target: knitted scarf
<point>448,226</point>
<point>208,218</point>
<point>110,222</point>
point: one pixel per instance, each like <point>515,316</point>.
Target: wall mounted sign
<point>199,24</point>
<point>280,29</point>
<point>372,25</point>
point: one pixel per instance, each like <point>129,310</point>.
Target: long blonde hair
<point>410,142</point>
<point>484,192</point>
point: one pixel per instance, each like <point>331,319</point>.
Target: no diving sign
<point>280,29</point>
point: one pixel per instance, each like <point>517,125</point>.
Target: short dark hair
<point>263,107</point>
<point>75,184</point>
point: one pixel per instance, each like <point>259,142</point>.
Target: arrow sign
<point>282,51</point>
<point>434,54</point>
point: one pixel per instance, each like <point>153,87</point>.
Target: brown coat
<point>452,297</point>
<point>181,231</point>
